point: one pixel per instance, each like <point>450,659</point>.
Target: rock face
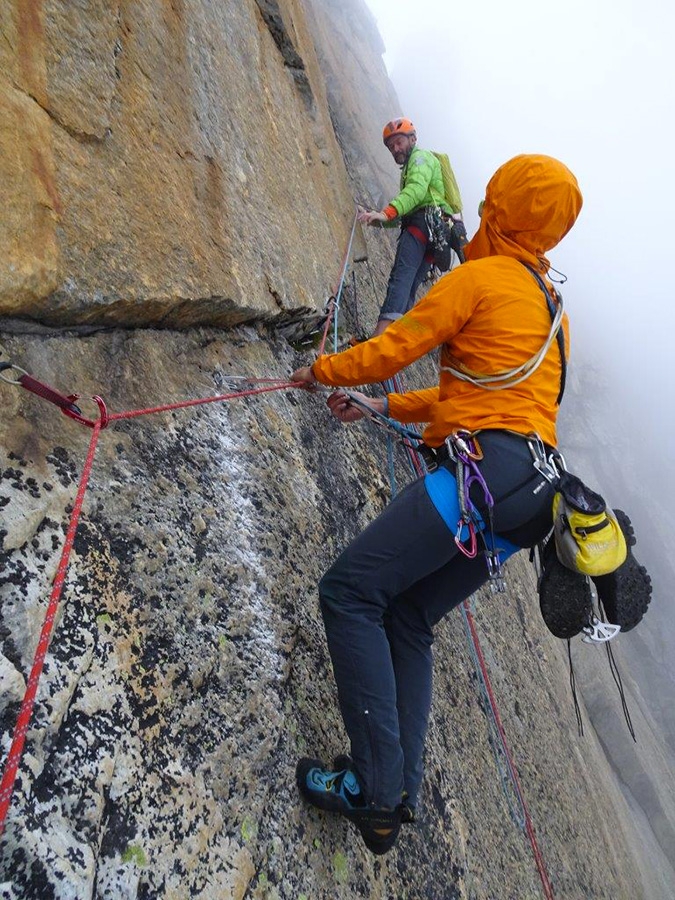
<point>166,163</point>
<point>179,181</point>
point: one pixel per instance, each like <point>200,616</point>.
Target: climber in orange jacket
<point>502,362</point>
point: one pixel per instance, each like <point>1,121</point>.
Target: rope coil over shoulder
<point>507,378</point>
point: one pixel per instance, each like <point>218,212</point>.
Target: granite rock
<point>178,179</point>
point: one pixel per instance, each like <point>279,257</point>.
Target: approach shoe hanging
<point>339,791</point>
<point>565,596</point>
<point>626,592</point>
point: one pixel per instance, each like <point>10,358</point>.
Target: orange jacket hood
<point>531,202</point>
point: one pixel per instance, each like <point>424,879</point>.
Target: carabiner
<point>90,423</point>
<point>467,444</point>
<point>473,542</point>
<point>5,366</point>
<point>494,566</point>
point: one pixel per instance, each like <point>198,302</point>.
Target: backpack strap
<point>560,337</point>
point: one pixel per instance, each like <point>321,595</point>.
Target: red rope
<point>133,413</point>
<point>26,711</point>
<point>28,703</point>
<point>538,857</point>
<point>329,316</point>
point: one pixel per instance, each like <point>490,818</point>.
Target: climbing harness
<point>445,236</point>
<point>465,451</point>
<point>439,237</point>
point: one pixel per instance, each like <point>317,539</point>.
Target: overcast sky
<point>591,82</point>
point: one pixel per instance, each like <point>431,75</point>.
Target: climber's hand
<point>304,376</point>
<point>371,217</point>
<point>342,407</point>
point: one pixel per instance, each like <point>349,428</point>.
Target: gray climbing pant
<point>382,597</point>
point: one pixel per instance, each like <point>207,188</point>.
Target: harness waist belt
<point>435,456</point>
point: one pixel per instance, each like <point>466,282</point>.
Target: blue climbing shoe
<point>336,791</point>
<point>339,791</point>
<point>344,761</point>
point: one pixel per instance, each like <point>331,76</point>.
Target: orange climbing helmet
<point>398,126</point>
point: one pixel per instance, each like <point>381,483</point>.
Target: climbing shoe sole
<point>379,827</point>
<point>564,596</point>
<point>625,593</point>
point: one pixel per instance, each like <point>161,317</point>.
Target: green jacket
<point>421,184</point>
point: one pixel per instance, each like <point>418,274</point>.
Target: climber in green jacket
<point>421,195</point>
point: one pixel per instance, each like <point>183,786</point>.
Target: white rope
<point>488,382</point>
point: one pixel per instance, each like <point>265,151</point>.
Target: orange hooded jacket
<point>489,315</point>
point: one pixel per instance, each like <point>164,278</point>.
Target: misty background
<point>592,84</point>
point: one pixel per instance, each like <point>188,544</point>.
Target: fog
<point>592,83</point>
<point>594,86</point>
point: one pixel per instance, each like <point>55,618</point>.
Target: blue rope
<point>390,464</point>
<point>516,810</point>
